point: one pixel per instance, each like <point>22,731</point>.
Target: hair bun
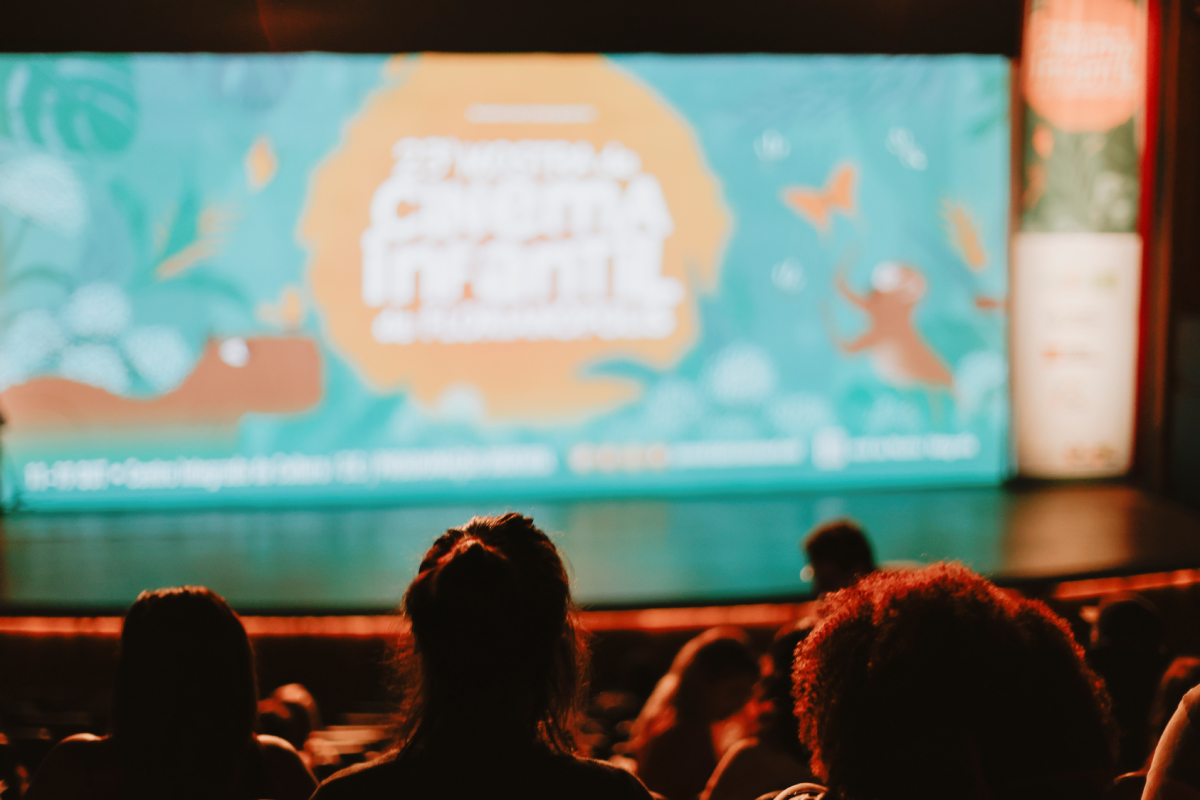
<point>474,575</point>
<point>493,644</point>
<point>470,600</point>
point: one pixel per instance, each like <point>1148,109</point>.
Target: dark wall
<point>1181,190</point>
<point>388,26</point>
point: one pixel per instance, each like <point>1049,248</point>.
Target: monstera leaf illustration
<point>82,103</point>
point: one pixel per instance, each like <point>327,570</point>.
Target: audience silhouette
<point>839,554</point>
<point>711,678</point>
<point>927,684</point>
<point>773,756</point>
<point>183,715</point>
<point>1174,769</point>
<point>1182,676</point>
<point>291,714</point>
<point>491,672</point>
<point>1128,651</point>
<point>935,684</point>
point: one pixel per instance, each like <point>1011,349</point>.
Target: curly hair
<point>936,684</point>
<point>492,645</point>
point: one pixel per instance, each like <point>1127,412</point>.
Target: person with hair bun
<point>491,672</point>
<point>183,715</point>
<point>935,684</point>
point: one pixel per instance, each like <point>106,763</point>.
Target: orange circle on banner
<point>578,104</point>
<point>1084,67</point>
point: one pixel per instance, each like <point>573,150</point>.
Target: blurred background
<point>288,289</point>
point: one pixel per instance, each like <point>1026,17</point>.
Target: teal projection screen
<point>274,279</point>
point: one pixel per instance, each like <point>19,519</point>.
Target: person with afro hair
<point>935,684</point>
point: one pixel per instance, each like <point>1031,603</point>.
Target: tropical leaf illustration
<point>81,103</point>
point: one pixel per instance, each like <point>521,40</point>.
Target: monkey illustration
<point>901,357</point>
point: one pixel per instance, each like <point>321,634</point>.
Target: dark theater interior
<point>697,401</point>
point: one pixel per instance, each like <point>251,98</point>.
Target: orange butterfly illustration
<point>817,205</point>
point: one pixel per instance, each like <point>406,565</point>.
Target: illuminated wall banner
<point>256,279</point>
<point>1077,260</point>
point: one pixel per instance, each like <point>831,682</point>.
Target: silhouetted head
<point>777,721</point>
<point>839,554</point>
<point>935,684</point>
<point>1127,649</point>
<point>717,672</point>
<point>1128,620</point>
<point>185,701</point>
<point>496,651</point>
<point>899,281</point>
<point>1180,678</point>
<point>711,678</point>
<point>289,713</point>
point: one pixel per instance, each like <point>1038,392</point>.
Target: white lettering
<point>528,240</point>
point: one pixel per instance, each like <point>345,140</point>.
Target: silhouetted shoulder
<point>616,782</point>
<point>547,777</point>
<point>1191,705</point>
<point>286,773</point>
<point>371,779</point>
<point>802,791</point>
<point>77,766</point>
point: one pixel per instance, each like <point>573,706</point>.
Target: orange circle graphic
<point>505,223</point>
<point>1084,66</point>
